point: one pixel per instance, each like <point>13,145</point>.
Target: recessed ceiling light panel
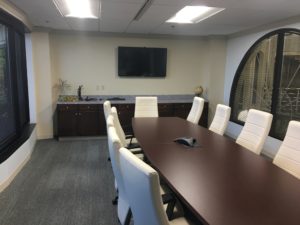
<point>194,14</point>
<point>78,8</point>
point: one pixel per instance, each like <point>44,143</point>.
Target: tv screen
<point>142,62</point>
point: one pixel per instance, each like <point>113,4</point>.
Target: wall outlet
<point>102,87</point>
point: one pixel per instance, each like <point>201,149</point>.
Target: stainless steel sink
<point>116,99</point>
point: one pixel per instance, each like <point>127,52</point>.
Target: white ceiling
<point>117,16</point>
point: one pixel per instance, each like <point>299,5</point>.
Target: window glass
<point>21,78</point>
<point>255,83</point>
<point>7,117</point>
<point>268,79</point>
<point>288,106</point>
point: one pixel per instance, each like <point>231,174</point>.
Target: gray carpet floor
<point>64,183</point>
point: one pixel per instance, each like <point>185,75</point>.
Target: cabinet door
<point>204,117</point>
<point>88,120</point>
<point>182,109</point>
<point>66,120</point>
<point>125,113</point>
<point>165,109</point>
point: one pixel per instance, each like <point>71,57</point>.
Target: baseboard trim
<point>14,174</point>
<point>44,136</point>
<point>80,138</point>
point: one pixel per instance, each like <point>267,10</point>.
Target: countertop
<point>126,99</point>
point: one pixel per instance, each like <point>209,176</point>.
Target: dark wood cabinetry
<point>79,120</point>
<point>126,112</point>
<point>88,119</point>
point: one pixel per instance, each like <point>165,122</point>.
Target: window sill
<point>10,149</point>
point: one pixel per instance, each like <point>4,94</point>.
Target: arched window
<point>268,79</point>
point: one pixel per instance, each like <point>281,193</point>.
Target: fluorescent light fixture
<point>78,8</point>
<point>194,14</point>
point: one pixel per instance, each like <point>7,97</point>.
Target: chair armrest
<point>137,152</point>
<point>129,136</point>
<point>133,145</point>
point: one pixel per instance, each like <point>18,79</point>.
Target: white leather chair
<point>146,107</point>
<point>288,156</point>
<point>242,116</point>
<point>255,130</point>
<point>114,145</point>
<point>221,119</point>
<point>142,187</point>
<point>113,121</point>
<point>196,110</point>
<point>106,109</point>
<point>126,142</point>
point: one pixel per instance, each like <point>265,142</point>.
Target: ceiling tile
<point>119,11</point>
<point>172,2</point>
<point>195,29</point>
<point>117,16</point>
<point>83,24</point>
<point>42,13</point>
<point>113,25</point>
<point>142,27</point>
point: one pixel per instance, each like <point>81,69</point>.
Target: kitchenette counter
<point>121,99</point>
<point>86,117</point>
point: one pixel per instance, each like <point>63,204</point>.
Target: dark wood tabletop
<point>220,181</point>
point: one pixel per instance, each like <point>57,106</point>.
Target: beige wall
<point>43,84</point>
<point>216,62</point>
<point>91,60</point>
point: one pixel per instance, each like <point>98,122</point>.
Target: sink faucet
<point>79,92</point>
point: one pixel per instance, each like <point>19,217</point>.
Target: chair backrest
<point>221,119</point>
<point>196,110</point>
<point>288,156</point>
<point>118,127</point>
<point>255,130</point>
<point>106,109</point>
<point>242,116</point>
<point>114,146</point>
<point>110,122</point>
<point>146,107</point>
<point>143,190</point>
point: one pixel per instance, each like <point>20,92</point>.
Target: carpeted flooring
<point>64,183</point>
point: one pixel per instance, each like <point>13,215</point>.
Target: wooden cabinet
<point>165,109</point>
<point>126,112</point>
<point>80,120</point>
<point>88,119</point>
<point>181,109</point>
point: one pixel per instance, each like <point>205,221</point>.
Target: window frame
<point>277,72</point>
<point>10,144</point>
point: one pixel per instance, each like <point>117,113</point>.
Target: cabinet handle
<point>75,114</point>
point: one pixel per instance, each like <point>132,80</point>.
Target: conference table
<point>219,181</point>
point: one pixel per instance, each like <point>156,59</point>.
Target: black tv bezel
<point>141,75</point>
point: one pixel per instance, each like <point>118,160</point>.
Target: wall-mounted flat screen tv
<point>142,62</point>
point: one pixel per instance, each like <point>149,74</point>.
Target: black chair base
<point>115,200</point>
